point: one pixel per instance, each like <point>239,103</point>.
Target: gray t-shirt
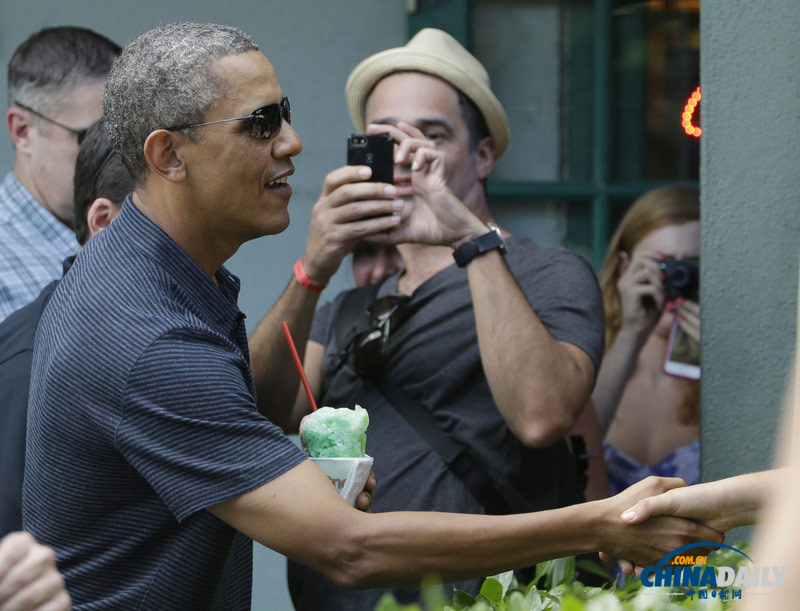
<point>434,358</point>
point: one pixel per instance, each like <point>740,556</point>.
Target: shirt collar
<point>67,264</point>
<point>18,204</point>
<point>217,302</point>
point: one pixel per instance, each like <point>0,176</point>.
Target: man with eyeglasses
<point>101,184</point>
<point>55,82</point>
<point>149,469</point>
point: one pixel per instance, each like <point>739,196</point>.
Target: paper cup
<point>348,475</point>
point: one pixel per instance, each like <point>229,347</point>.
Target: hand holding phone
<point>375,151</point>
<point>682,356</point>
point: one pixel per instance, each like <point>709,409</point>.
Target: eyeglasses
<point>371,347</point>
<point>80,133</point>
<point>265,122</point>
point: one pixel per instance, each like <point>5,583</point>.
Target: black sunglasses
<point>371,347</point>
<point>80,133</point>
<point>265,122</point>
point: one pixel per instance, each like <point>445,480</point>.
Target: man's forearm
<point>274,372</point>
<point>537,385</point>
<point>359,550</point>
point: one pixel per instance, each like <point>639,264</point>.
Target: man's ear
<point>163,154</point>
<point>101,213</point>
<point>19,124</point>
<point>484,158</point>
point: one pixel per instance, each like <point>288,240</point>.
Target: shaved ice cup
<point>335,440</point>
<point>348,475</point>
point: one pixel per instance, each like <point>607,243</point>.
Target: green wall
<point>750,53</point>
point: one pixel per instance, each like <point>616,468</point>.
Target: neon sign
<point>688,113</point>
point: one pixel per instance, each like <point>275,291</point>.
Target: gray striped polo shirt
<point>142,414</point>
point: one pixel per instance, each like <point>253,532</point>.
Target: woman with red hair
<point>650,419</point>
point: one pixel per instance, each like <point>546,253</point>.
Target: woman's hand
<point>689,318</point>
<point>641,293</point>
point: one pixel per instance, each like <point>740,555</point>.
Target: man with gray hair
<point>55,82</point>
<point>148,467</point>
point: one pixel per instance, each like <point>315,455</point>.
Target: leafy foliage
<point>558,590</point>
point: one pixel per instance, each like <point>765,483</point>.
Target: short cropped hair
<point>163,79</point>
<point>53,61</point>
<point>98,173</point>
<point>476,123</point>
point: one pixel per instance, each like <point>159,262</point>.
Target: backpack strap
<point>351,319</point>
<point>487,490</point>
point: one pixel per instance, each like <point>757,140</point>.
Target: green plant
<point>555,588</point>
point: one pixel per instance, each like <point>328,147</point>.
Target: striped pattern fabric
<point>142,414</point>
<point>33,243</point>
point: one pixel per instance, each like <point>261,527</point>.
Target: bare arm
<point>360,550</point>
<point>274,372</point>
<point>337,223</point>
<point>642,300</point>
<point>540,384</point>
<point>723,504</point>
<point>777,540</point>
<point>615,371</point>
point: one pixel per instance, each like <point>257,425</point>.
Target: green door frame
<point>598,192</point>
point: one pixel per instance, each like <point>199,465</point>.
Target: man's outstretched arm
<point>360,550</point>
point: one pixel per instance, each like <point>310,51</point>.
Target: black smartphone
<point>374,150</point>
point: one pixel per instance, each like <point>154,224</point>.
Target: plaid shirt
<point>33,244</point>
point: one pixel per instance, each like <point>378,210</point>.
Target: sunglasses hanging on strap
<point>369,349</point>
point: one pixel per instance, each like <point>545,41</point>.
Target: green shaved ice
<point>335,432</point>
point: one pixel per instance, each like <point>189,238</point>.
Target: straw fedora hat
<point>433,52</point>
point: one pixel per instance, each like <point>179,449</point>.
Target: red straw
<point>297,362</point>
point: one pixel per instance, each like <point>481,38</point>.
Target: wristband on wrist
<point>478,245</point>
<point>302,278</point>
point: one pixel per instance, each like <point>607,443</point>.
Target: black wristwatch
<point>477,246</point>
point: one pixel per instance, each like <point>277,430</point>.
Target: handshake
<point>720,505</point>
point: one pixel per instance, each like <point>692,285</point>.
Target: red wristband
<point>307,282</point>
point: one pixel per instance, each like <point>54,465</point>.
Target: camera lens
<point>680,276</point>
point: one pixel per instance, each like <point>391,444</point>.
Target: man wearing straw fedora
<point>149,469</point>
<point>473,370</point>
